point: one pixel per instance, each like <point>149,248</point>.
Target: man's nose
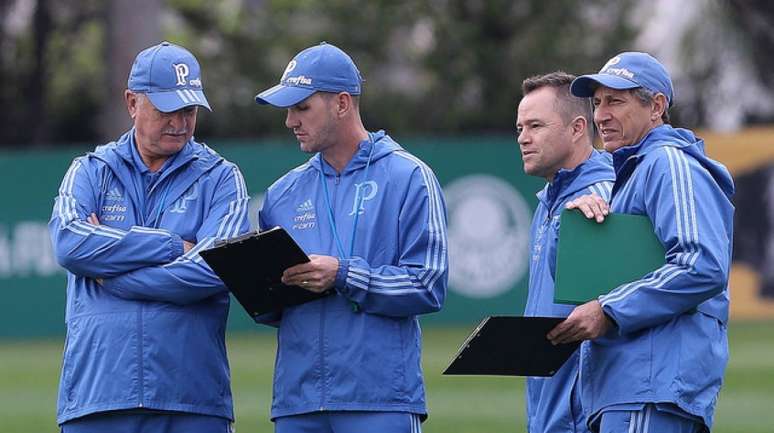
<point>601,114</point>
<point>291,121</point>
<point>178,120</point>
<point>522,138</point>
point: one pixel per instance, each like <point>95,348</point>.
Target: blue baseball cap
<point>321,68</point>
<point>170,76</point>
<point>628,70</point>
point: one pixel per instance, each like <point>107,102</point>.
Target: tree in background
<point>50,76</point>
<point>756,17</point>
<point>714,52</point>
<point>432,66</point>
<point>129,28</point>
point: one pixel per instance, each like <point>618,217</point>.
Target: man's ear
<point>579,127</point>
<point>132,100</point>
<point>658,106</point>
<point>343,104</point>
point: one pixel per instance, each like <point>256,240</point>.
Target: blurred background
<point>443,78</point>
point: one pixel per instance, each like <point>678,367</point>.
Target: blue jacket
<point>549,405</point>
<point>359,349</point>
<point>670,343</point>
<point>152,336</point>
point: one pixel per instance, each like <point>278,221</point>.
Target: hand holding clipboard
<point>251,266</point>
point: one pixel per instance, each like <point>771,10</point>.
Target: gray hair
<point>646,97</point>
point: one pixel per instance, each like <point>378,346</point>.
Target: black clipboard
<point>511,346</point>
<point>251,267</point>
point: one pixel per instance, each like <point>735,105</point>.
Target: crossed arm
<point>143,263</point>
<point>94,220</point>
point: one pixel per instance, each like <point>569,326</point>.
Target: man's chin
<point>306,147</point>
<point>612,146</point>
<point>532,169</point>
<point>173,145</point>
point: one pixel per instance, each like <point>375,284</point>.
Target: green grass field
<point>29,373</point>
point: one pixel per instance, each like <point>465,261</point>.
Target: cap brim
<point>585,85</point>
<point>174,100</point>
<point>283,96</point>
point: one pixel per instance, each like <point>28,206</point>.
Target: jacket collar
<point>626,159</point>
<point>375,147</point>
<point>125,145</point>
<point>193,161</point>
<point>597,168</point>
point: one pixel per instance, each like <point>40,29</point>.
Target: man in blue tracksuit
<point>146,317</point>
<point>658,346</point>
<point>373,220</point>
<point>555,135</point>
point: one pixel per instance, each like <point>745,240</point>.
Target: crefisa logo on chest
<point>114,208</point>
<point>306,217</point>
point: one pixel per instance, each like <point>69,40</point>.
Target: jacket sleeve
<point>417,283</point>
<point>100,251</point>
<point>189,279</point>
<point>691,218</point>
<point>602,189</point>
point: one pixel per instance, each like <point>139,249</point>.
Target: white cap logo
<point>611,62</point>
<point>290,67</point>
<point>181,70</point>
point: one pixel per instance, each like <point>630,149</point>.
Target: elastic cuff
<point>176,247</point>
<point>608,311</point>
<point>341,274</point>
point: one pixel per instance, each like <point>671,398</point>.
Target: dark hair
<point>646,96</point>
<point>568,106</point>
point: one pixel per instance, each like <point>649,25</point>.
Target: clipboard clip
<point>235,240</point>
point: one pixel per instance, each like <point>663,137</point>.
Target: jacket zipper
<point>323,369</point>
<point>140,355</point>
<point>324,373</point>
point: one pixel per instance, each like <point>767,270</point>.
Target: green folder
<point>592,259</point>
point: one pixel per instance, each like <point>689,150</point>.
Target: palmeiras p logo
<point>181,71</point>
<point>488,236</point>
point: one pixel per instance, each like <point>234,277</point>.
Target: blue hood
<point>195,158</point>
<point>381,143</point>
<point>687,141</point>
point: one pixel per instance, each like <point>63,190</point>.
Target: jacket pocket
<point>66,394</point>
<point>703,357</point>
<point>371,359</point>
<point>100,363</point>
